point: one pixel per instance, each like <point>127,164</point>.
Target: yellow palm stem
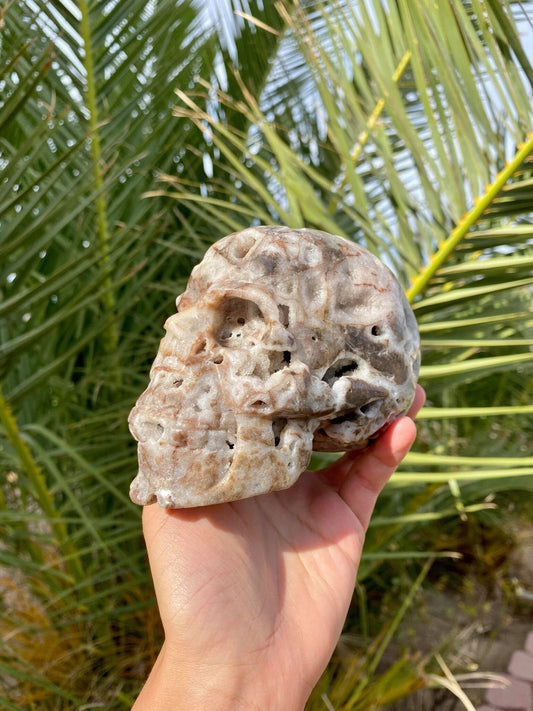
<point>447,247</point>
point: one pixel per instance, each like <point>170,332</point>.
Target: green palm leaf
<point>403,125</point>
<point>422,152</point>
<point>88,270</point>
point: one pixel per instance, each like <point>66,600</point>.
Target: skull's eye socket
<point>238,317</point>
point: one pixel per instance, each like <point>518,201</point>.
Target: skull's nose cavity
<point>149,431</point>
<point>278,425</point>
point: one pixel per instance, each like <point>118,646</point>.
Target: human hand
<point>253,594</point>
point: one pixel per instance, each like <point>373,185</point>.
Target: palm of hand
<point>242,581</point>
<point>266,582</point>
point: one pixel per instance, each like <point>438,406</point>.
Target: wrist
<point>176,684</point>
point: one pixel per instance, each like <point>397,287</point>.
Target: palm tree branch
<point>449,245</point>
<point>370,126</point>
<point>39,486</point>
<point>110,333</point>
<point>441,413</point>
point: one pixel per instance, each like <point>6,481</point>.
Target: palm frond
<point>381,121</point>
<point>89,269</point>
<point>418,145</point>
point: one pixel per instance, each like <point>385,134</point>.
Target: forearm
<point>173,686</point>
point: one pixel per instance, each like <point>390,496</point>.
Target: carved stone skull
<point>285,341</point>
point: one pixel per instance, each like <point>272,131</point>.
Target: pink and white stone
<point>284,341</point>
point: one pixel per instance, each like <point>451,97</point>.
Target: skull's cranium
<point>285,341</point>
